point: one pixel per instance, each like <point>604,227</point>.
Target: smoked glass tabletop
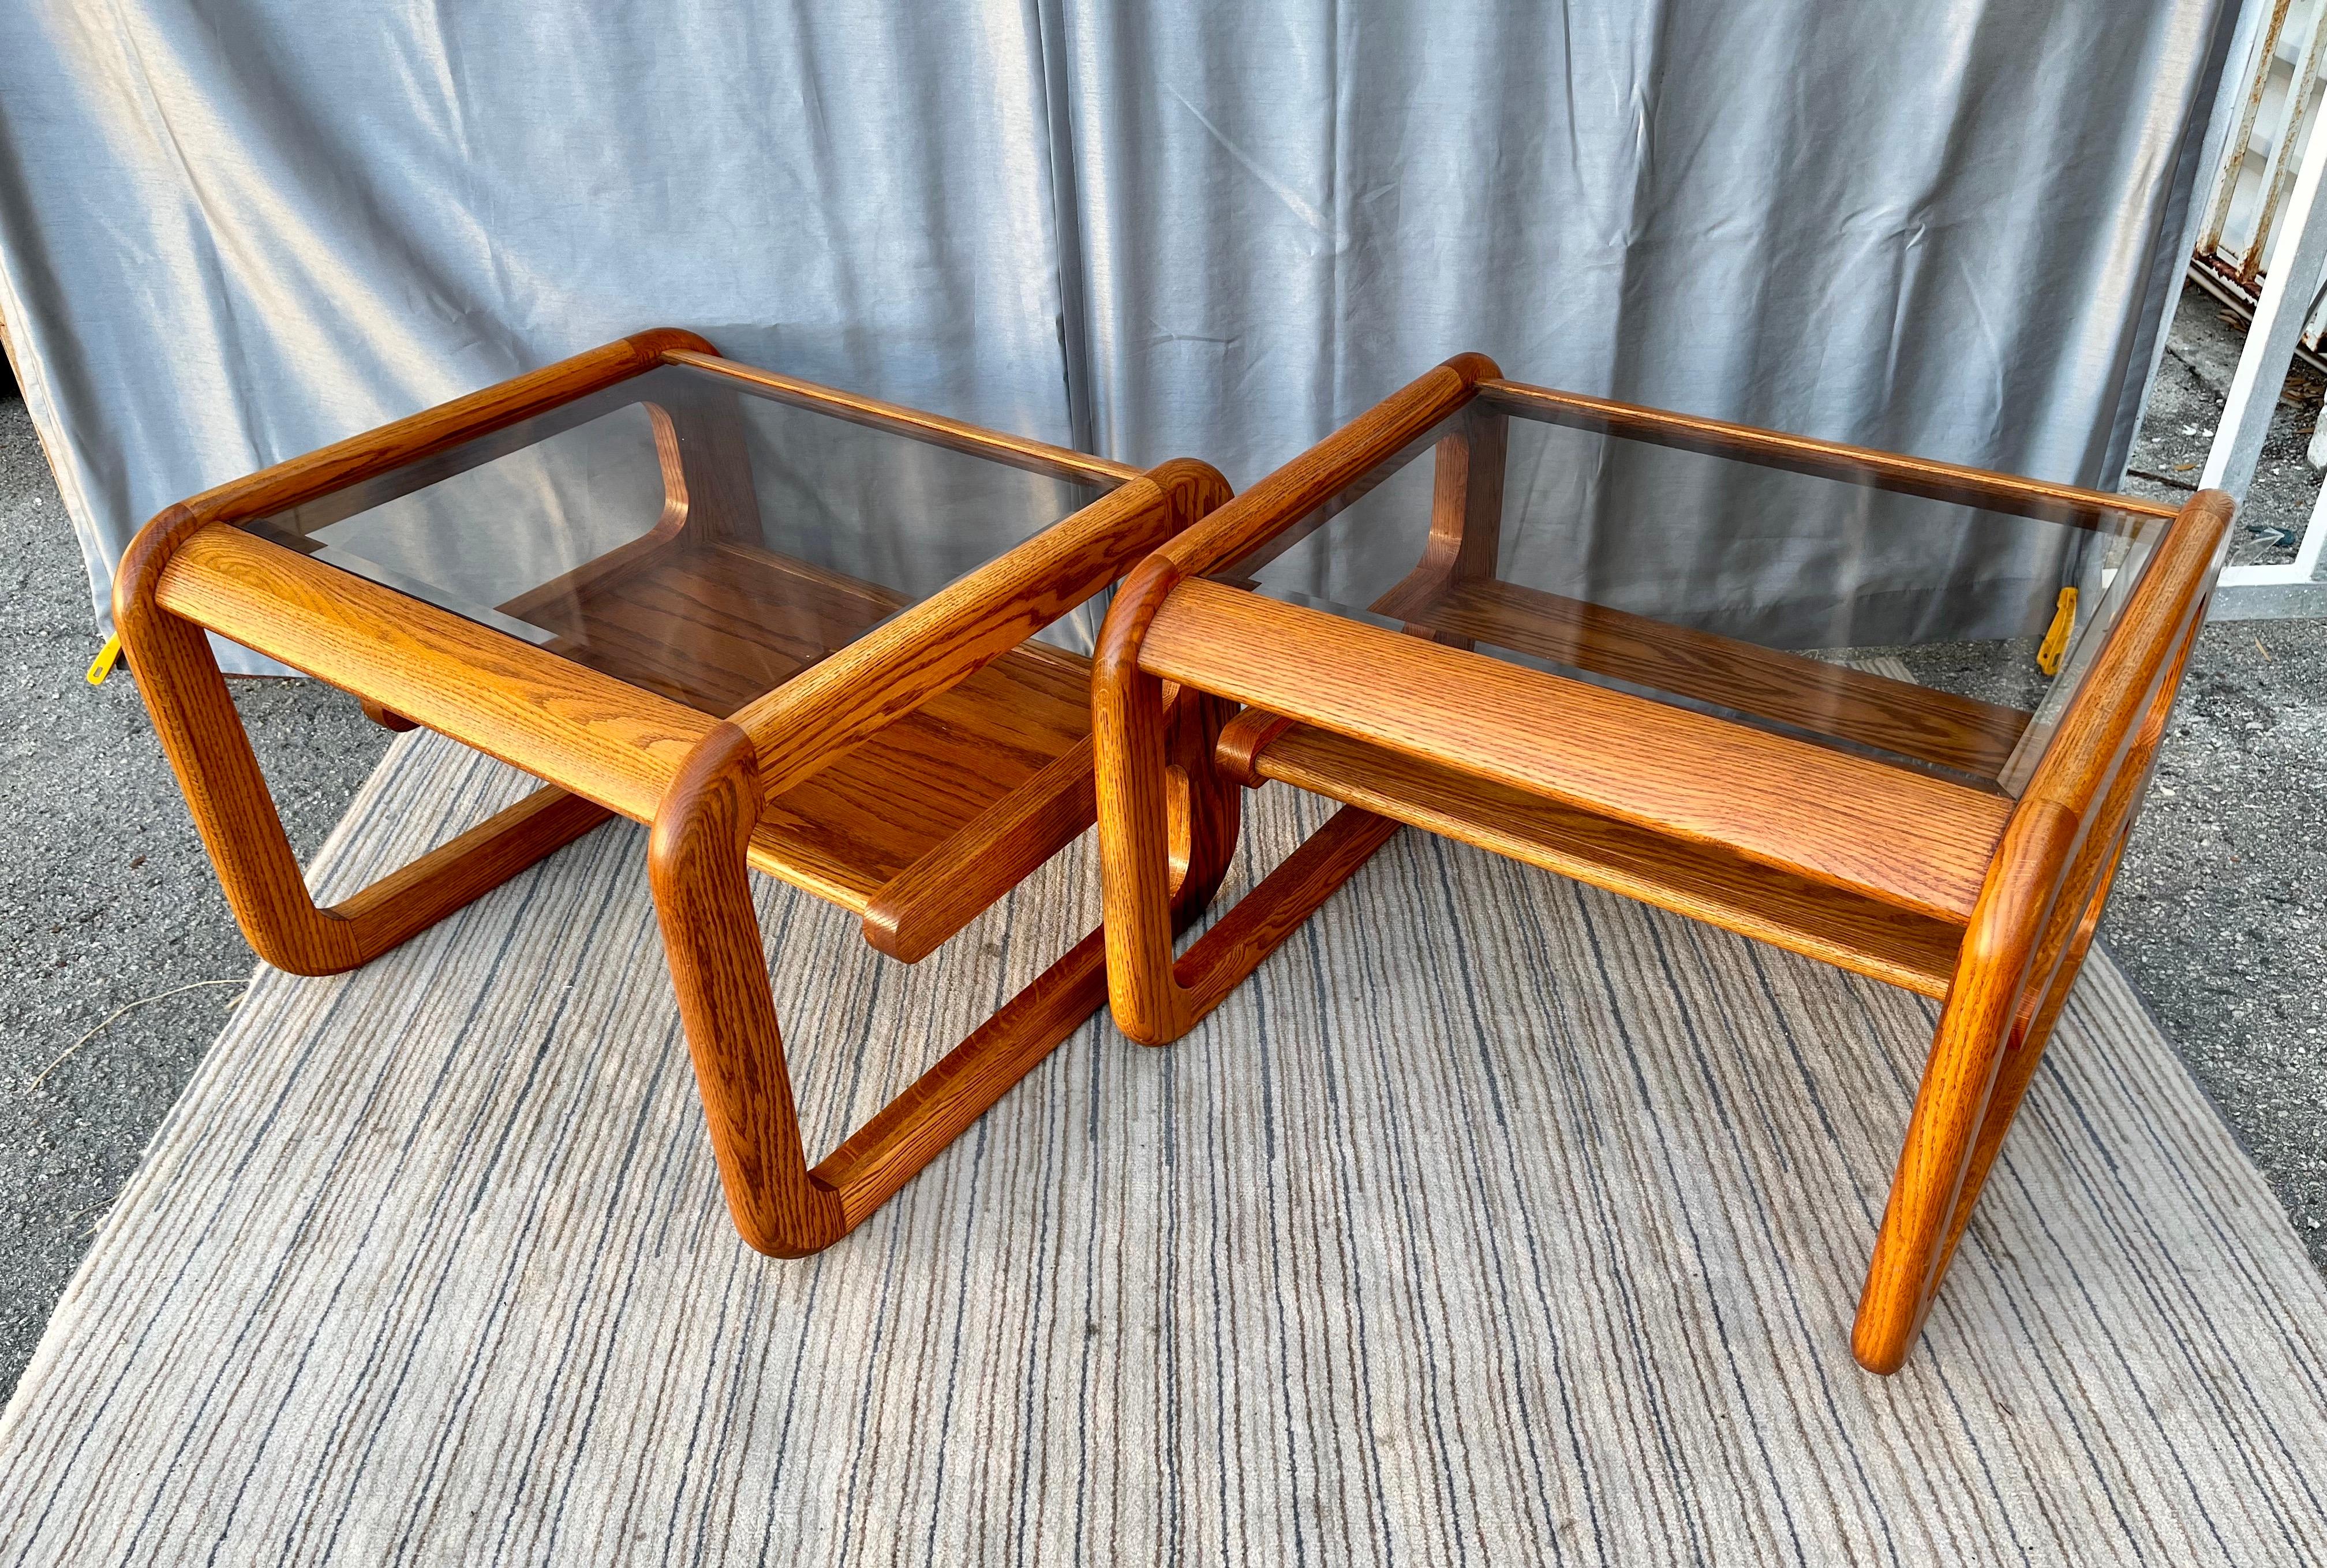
<point>1840,609</point>
<point>688,531</point>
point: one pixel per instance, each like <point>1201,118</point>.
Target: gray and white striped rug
<point>1497,1221</point>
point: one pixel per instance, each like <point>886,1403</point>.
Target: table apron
<point>599,737</point>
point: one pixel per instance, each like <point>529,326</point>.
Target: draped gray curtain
<point>231,232</point>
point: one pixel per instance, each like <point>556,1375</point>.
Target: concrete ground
<point>106,899</point>
<point>108,904</point>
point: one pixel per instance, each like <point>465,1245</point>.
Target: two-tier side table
<point>1662,655</point>
<point>788,627</point>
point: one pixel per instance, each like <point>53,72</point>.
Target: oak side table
<point>1426,617</point>
<point>788,627</point>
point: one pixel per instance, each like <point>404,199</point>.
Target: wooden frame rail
<point>1912,841</point>
<point>603,739</point>
<point>1887,470</point>
<point>1018,452</point>
<point>1970,739</point>
<point>936,644</point>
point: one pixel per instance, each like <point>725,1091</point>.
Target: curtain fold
<point>1947,231</point>
<point>229,237</point>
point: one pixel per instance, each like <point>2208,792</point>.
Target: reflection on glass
<point>1844,611</point>
<point>685,532</point>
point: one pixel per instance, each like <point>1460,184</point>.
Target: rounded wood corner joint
<point>1475,368</point>
<point>883,924</point>
<point>138,573</point>
<point>386,718</point>
<point>1192,487</point>
<point>2216,503</point>
<point>715,789</point>
<point>1138,598</point>
<point>657,342</point>
<point>1242,741</point>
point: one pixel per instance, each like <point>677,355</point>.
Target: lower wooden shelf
<point>1900,946</point>
<point>715,624</point>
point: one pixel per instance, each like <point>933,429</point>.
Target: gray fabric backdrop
<point>232,232</point>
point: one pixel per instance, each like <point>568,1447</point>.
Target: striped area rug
<point>1497,1221</point>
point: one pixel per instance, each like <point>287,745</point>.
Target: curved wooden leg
<point>1155,889</point>
<point>202,735</point>
<point>1949,1110</point>
<point>711,932</point>
<point>2023,1053</point>
<point>1982,1059</point>
<point>2000,1014</point>
<point>1135,838</point>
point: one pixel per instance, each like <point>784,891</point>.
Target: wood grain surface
<point>405,443</point>
<point>1914,842</point>
<point>597,736</point>
<point>1705,882</point>
<point>711,935</point>
<point>937,643</point>
<point>1963,734</point>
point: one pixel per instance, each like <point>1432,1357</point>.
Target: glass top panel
<point>1833,609</point>
<point>687,532</point>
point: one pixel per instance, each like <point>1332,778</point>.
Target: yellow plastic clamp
<point>107,658</point>
<point>2056,637</point>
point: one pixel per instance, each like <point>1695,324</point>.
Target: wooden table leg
<point>1168,818</point>
<point>782,1205</point>
<point>202,735</point>
<point>2023,1051</point>
<point>1958,1075</point>
<point>1987,1049</point>
<point>703,899</point>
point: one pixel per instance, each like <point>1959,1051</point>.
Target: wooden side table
<point>676,589</point>
<point>1403,640</point>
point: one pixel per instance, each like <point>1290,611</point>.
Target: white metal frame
<point>2296,234</point>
